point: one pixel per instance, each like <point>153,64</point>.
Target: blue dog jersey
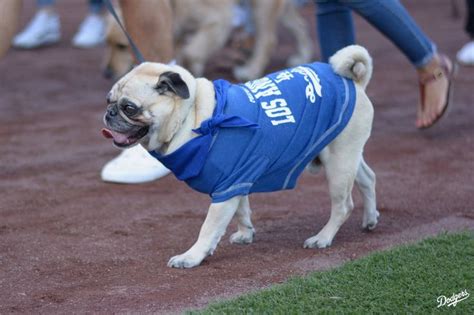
<point>264,132</point>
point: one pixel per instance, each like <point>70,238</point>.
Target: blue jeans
<point>95,6</point>
<point>335,27</point>
<point>470,18</point>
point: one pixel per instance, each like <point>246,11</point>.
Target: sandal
<point>445,69</point>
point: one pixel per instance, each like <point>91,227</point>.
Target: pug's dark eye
<point>130,109</point>
<point>121,46</point>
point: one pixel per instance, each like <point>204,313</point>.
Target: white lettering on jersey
<point>263,87</point>
<point>283,76</point>
<point>277,109</point>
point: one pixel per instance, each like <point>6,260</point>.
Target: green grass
<point>404,280</point>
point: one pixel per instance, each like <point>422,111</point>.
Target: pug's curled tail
<point>353,62</point>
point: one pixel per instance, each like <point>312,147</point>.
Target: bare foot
<point>434,89</point>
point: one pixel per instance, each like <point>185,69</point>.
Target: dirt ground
<point>70,243</point>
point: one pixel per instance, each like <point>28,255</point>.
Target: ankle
<point>432,65</point>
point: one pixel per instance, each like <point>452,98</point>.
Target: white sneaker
<point>91,32</point>
<point>465,56</point>
<point>133,166</point>
<point>43,29</point>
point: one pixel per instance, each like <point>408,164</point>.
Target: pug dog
<point>231,140</point>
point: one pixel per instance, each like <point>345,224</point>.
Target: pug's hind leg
<point>245,230</point>
<point>218,218</point>
<point>365,181</point>
<point>340,174</point>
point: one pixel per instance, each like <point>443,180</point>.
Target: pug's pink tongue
<point>118,137</point>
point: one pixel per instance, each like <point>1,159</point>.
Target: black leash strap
<point>135,49</point>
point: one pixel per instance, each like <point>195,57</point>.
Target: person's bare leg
<point>150,24</point>
<point>435,91</point>
<point>9,19</point>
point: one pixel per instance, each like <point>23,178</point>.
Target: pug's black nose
<point>112,110</point>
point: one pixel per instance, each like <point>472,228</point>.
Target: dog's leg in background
<point>295,23</point>
<point>246,231</point>
<point>150,24</point>
<point>365,180</point>
<point>266,14</point>
<point>218,218</point>
<point>9,19</point>
<point>213,31</point>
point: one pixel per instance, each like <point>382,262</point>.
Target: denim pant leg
<point>335,27</point>
<point>470,18</point>
<point>43,3</point>
<point>96,6</point>
<point>392,20</point>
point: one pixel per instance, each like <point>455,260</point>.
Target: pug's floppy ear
<point>172,82</point>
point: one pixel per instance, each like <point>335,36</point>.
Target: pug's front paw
<point>320,241</point>
<point>243,237</point>
<point>185,260</point>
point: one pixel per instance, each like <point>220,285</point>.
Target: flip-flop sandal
<point>446,69</point>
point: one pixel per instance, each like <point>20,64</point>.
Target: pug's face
<point>149,105</point>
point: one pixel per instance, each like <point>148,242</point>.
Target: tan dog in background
<point>118,58</point>
<point>202,27</point>
<point>159,105</point>
<point>266,16</point>
<point>151,28</point>
<point>9,19</point>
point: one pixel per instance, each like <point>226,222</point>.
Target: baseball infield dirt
<point>70,243</point>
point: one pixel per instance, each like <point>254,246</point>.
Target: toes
<point>370,226</point>
<point>370,222</point>
<point>183,261</point>
<point>424,121</point>
<point>317,242</point>
<point>419,123</point>
<point>242,238</point>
